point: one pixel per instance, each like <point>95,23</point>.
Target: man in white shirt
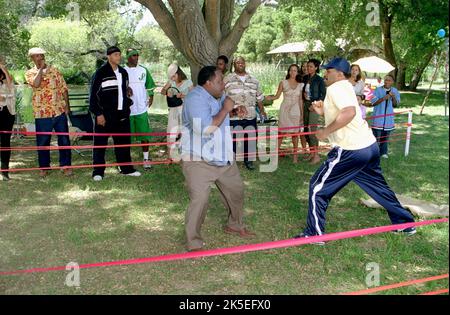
<point>355,155</point>
<point>142,86</point>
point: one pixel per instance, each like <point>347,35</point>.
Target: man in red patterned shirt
<point>51,108</point>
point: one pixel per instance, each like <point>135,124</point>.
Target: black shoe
<point>303,235</point>
<point>249,166</point>
<point>409,231</point>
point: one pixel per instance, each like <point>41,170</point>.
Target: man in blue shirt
<point>386,97</point>
<point>207,156</point>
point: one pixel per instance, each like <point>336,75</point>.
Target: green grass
<point>55,221</point>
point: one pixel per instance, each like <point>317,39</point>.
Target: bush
<point>75,76</point>
<point>18,76</point>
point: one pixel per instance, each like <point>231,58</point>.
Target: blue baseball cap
<point>340,64</point>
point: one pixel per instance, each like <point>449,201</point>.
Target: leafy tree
<point>202,30</point>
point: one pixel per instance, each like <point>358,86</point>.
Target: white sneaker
<point>147,166</point>
<point>409,231</point>
<point>385,156</point>
<point>303,235</point>
<point>97,178</point>
<point>135,174</point>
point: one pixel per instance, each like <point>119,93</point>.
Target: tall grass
<point>268,75</point>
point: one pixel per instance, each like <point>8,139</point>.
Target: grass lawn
<point>55,221</point>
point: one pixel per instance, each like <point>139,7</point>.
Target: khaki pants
<point>199,178</point>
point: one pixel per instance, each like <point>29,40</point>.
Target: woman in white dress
<point>357,80</point>
<point>178,86</point>
<point>291,110</point>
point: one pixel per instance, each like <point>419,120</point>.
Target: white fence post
<point>408,133</point>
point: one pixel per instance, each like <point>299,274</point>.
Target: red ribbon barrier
<point>388,115</point>
<point>157,134</point>
<point>52,168</point>
<point>132,145</point>
<point>397,285</point>
<point>239,155</point>
<point>86,147</point>
<point>150,134</point>
<point>238,249</point>
<point>438,292</point>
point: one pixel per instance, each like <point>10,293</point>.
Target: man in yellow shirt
<point>355,155</point>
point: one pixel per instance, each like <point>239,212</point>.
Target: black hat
<point>112,50</point>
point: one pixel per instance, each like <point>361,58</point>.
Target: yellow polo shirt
<point>357,134</point>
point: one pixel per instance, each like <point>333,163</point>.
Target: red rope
<point>87,166</point>
<point>398,285</point>
<point>157,134</point>
<point>437,292</point>
<point>239,249</point>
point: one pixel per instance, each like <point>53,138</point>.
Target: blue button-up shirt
<point>196,144</point>
<point>385,108</point>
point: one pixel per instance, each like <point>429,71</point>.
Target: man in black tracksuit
<point>110,104</point>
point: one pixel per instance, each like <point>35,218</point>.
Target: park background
<point>57,220</point>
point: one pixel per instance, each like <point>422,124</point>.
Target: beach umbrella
<point>374,65</point>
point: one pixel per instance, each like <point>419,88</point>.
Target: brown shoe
<point>68,172</point>
<point>195,250</point>
<point>244,233</point>
<point>307,157</point>
<point>43,173</point>
<point>315,160</point>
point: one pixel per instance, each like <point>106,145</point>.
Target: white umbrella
<point>299,47</point>
<point>374,65</point>
<point>305,46</point>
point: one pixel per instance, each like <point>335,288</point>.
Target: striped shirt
<point>244,92</point>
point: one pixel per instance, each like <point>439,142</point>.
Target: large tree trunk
<point>418,73</point>
<point>202,34</point>
<point>386,18</point>
<point>195,70</point>
<point>401,76</point>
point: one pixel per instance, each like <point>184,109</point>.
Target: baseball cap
<point>173,68</point>
<point>112,50</point>
<point>340,64</point>
<point>36,51</point>
<point>132,52</point>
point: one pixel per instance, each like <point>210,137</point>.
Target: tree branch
<point>226,16</point>
<point>198,44</point>
<point>165,20</point>
<point>212,19</point>
<point>386,18</point>
<point>92,51</point>
<point>105,42</point>
<point>229,43</point>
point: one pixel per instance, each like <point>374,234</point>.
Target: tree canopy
<point>196,32</point>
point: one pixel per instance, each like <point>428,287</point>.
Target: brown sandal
<point>244,233</point>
